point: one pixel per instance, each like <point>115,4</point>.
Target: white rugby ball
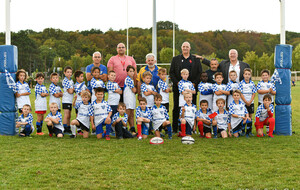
<point>187,140</point>
<point>156,140</point>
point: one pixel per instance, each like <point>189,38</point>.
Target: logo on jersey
<point>161,112</point>
<point>103,107</point>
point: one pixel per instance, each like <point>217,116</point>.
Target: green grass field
<point>42,162</point>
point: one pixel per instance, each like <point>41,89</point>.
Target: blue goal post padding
<point>7,123</point>
<point>283,91</point>
<point>7,96</point>
<point>283,56</point>
<point>283,123</point>
<point>8,58</point>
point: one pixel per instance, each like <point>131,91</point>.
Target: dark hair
<point>267,96</point>
<point>68,67</point>
<point>99,89</point>
<point>95,68</point>
<point>111,71</point>
<point>248,69</point>
<point>236,91</point>
<point>78,73</point>
<point>143,99</point>
<point>121,104</point>
<point>53,74</point>
<point>218,73</point>
<point>27,105</point>
<point>162,70</point>
<point>203,102</point>
<point>265,71</point>
<point>157,96</point>
<point>18,73</point>
<point>130,67</point>
<point>38,75</point>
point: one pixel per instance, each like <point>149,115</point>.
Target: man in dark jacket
<point>191,63</point>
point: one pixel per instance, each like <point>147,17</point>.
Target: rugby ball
<point>156,140</point>
<point>187,140</point>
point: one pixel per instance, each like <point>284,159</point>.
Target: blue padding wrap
<point>283,91</point>
<point>283,56</point>
<point>283,120</point>
<point>7,97</point>
<point>7,123</point>
<point>8,58</point>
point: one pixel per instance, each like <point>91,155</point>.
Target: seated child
<point>185,86</point>
<point>101,114</point>
<point>143,119</point>
<point>25,121</point>
<point>55,90</point>
<point>83,117</point>
<point>147,89</point>
<point>206,90</point>
<point>119,121</point>
<point>187,115</point>
<point>163,88</point>
<point>214,68</point>
<point>203,120</point>
<point>54,121</point>
<point>222,119</point>
<point>264,116</point>
<point>239,114</point>
<point>219,90</point>
<point>160,117</point>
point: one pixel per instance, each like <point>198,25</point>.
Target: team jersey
<point>128,96</point>
<point>117,116</point>
<point>22,88</point>
<point>265,86</point>
<point>96,83</point>
<point>247,89</point>
<point>53,89</point>
<point>182,86</point>
<point>28,119</point>
<point>143,113</point>
<point>150,98</point>
<point>231,86</point>
<point>222,119</point>
<point>113,97</point>
<point>206,93</point>
<point>159,115</point>
<point>217,87</point>
<point>238,109</point>
<point>59,124</point>
<point>100,111</point>
<point>78,88</point>
<point>161,87</point>
<point>189,113</point>
<point>262,112</point>
<point>40,102</point>
<point>84,113</point>
<point>202,115</point>
<point>67,84</point>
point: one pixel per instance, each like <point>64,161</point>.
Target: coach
<point>191,63</point>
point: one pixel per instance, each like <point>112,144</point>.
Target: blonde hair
<point>184,71</point>
<point>147,73</point>
<point>86,93</point>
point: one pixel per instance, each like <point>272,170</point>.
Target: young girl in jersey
<point>23,89</point>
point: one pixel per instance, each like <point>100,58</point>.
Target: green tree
<point>47,55</point>
<point>252,59</point>
<point>166,55</point>
<point>296,58</point>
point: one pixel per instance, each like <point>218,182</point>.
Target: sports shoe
<point>247,136</point>
<point>170,137</point>
<point>140,138</point>
<point>162,135</point>
<point>80,133</point>
<point>215,136</point>
<point>243,133</point>
<point>50,135</point>
<point>202,136</point>
<point>40,133</point>
<point>72,136</point>
<point>251,134</point>
<point>107,138</point>
<point>271,136</point>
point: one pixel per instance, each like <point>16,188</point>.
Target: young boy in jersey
<point>185,86</point>
<point>79,86</point>
<point>53,120</point>
<point>222,119</point>
<point>219,90</point>
<point>187,115</point>
<point>82,120</point>
<point>147,89</point>
<point>214,64</point>
<point>205,89</point>
<point>55,90</point>
<point>264,116</point>
<point>23,90</point>
<point>231,86</point>
<point>248,90</point>
<point>67,99</point>
<point>119,121</point>
<point>239,114</point>
<point>203,120</point>
<point>160,117</point>
<point>40,102</point>
<point>96,81</point>
<point>25,121</point>
<point>129,96</point>
<point>143,119</point>
<point>101,114</point>
<point>163,88</point>
<point>114,92</point>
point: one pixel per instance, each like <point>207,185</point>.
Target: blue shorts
<point>99,128</point>
<point>145,129</point>
<point>188,129</point>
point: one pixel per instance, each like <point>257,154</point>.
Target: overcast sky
<point>190,15</point>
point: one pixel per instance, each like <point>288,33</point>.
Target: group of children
<point>224,109</point>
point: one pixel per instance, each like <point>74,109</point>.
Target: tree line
<point>52,48</point>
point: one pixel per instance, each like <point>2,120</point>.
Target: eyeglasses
<point>97,57</point>
<point>121,47</point>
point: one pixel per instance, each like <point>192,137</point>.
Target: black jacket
<point>224,68</point>
<point>195,73</point>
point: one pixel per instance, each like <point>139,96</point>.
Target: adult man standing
<point>191,63</point>
<point>153,68</point>
<point>233,64</point>
<point>119,63</point>
<point>96,63</point>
